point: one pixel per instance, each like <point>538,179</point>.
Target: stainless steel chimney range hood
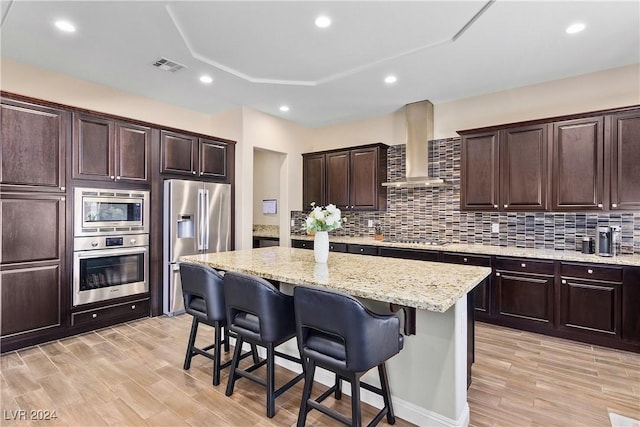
<point>419,132</point>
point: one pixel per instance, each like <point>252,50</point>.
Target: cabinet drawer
<point>457,258</point>
<point>409,254</point>
<point>525,265</point>
<point>590,271</point>
<point>121,312</point>
<point>302,244</point>
<point>362,249</point>
<point>337,247</point>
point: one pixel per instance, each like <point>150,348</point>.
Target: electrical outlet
<point>495,227</point>
<point>293,222</point>
<point>370,223</point>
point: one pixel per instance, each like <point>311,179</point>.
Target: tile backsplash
<point>434,213</point>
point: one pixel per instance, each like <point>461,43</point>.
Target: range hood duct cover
<point>419,132</point>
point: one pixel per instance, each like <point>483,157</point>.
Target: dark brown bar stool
<point>261,315</point>
<point>336,332</point>
<point>203,293</point>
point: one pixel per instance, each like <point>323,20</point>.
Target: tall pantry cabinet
<point>32,219</point>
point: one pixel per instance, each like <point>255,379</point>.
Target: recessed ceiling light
<point>390,79</point>
<point>65,26</point>
<point>575,28</point>
<point>206,79</point>
<point>323,21</point>
<point>284,108</point>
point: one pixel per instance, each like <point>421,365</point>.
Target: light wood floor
<point>131,374</point>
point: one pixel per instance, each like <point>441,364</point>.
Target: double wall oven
<point>110,245</point>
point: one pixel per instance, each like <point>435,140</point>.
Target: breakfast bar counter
<point>428,377</point>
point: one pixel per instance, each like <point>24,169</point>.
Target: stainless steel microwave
<point>107,211</point>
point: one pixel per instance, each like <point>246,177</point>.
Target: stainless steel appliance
<point>197,219</point>
<point>106,267</point>
<point>107,211</point>
<point>604,241</point>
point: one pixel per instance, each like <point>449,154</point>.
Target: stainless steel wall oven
<point>111,244</point>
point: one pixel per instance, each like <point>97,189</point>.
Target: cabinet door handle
<point>117,178</point>
<point>523,265</point>
<point>94,315</point>
<point>133,306</point>
<point>564,282</point>
<point>331,247</point>
<point>506,206</point>
<point>497,274</point>
<point>599,205</point>
<point>201,173</point>
<point>361,249</point>
<point>62,188</point>
<point>590,271</point>
<point>113,177</point>
<point>614,205</point>
<point>495,206</point>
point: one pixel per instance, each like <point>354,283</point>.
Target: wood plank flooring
<point>132,375</point>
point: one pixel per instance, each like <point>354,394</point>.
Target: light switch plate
<point>370,223</point>
<point>293,222</point>
<point>495,227</point>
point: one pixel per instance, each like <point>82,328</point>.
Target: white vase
<point>321,246</point>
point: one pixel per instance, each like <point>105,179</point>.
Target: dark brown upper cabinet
<point>479,188</point>
<point>505,169</point>
<point>351,178</point>
<point>625,160</point>
<point>578,164</point>
<point>313,179</point>
<point>109,150</point>
<point>33,145</point>
<point>185,154</point>
<point>523,168</point>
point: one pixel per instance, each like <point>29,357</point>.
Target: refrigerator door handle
<point>205,212</point>
<point>201,219</point>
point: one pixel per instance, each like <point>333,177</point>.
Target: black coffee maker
<point>604,241</point>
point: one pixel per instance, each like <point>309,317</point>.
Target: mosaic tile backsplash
<point>434,213</point>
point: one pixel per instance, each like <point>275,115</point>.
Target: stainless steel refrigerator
<point>197,219</point>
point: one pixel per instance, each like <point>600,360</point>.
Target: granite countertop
<point>263,230</point>
<point>631,260</point>
<point>424,285</point>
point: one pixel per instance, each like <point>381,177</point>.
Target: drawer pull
<point>361,249</point>
<point>113,177</point>
<point>133,306</point>
<point>614,205</point>
<point>599,205</point>
<point>465,259</point>
<point>497,274</point>
<point>564,282</point>
<point>590,271</point>
<point>506,206</point>
<point>523,265</point>
<point>331,247</point>
<point>94,315</point>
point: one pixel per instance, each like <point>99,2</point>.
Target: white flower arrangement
<point>323,218</point>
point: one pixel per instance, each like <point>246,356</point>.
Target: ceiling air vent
<point>168,65</point>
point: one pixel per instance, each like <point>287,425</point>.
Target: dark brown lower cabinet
<point>630,304</point>
<point>30,298</point>
<point>481,300</point>
<point>524,292</point>
<point>591,307</point>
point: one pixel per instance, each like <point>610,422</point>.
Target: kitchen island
<point>429,377</point>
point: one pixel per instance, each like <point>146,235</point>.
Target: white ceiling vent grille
<point>168,65</point>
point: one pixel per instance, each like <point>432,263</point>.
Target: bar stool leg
<point>216,357</point>
<point>356,417</point>
<point>234,365</point>
<point>338,392</point>
<point>310,369</point>
<point>386,394</point>
<point>226,339</point>
<point>271,379</point>
<point>192,340</point>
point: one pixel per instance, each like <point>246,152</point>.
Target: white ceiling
<point>265,54</point>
